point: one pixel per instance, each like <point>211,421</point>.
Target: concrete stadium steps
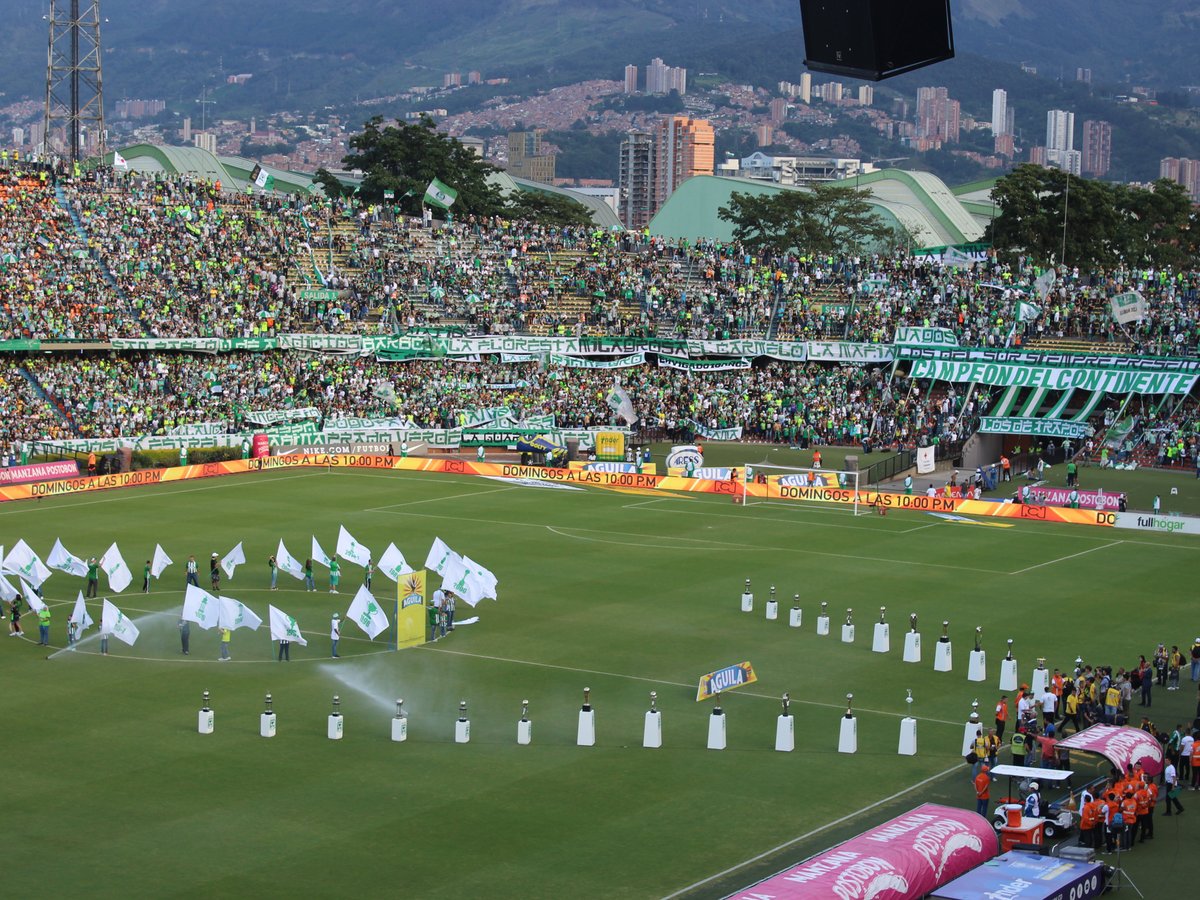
<point>53,402</point>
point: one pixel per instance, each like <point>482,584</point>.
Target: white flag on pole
<point>116,623</point>
<point>367,613</point>
<point>60,559</point>
<point>7,592</point>
<point>233,559</point>
<point>284,627</point>
<point>21,560</point>
<point>483,576</point>
<point>319,555</point>
<point>80,616</point>
<point>1044,282</point>
<point>459,579</point>
<point>201,607</point>
<point>160,561</point>
<point>288,563</point>
<point>439,556</point>
<point>119,576</point>
<point>35,602</point>
<point>351,550</point>
<point>119,162</point>
<point>235,614</point>
<point>392,563</point>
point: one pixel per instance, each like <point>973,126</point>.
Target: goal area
<point>764,483</point>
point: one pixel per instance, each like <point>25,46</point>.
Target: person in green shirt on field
<point>146,578</point>
<point>335,575</point>
<point>44,626</point>
<point>1072,471</point>
<point>93,577</point>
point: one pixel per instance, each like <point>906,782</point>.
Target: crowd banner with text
<point>272,416</point>
<point>1056,428</point>
<point>702,365</point>
<point>572,362</point>
<point>716,434</point>
<point>790,351</point>
<point>1113,381</point>
<point>926,337</point>
<point>1053,360</point>
<point>849,352</point>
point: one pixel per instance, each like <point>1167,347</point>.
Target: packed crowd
<point>151,393</point>
<point>101,255</point>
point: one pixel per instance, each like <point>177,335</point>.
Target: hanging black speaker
<point>875,39</point>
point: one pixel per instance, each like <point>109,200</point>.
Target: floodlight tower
<point>74,96</point>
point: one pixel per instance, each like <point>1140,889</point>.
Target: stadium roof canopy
<point>233,171</point>
<point>602,214</point>
<point>919,201</point>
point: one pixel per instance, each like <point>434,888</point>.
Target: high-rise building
<point>1060,130</point>
<point>205,140</point>
<point>656,77</point>
<point>1097,147</point>
<point>806,87</point>
<point>999,112</point>
<point>1084,75</point>
<point>1067,160</point>
<point>526,159</point>
<point>186,132</point>
<point>631,79</point>
<point>866,95</point>
<point>1004,145</point>
<point>474,77</point>
<point>778,109</point>
<point>764,135</point>
<point>452,79</point>
<point>938,117</point>
<point>636,180</point>
<point>683,148</point>
<point>1182,171</point>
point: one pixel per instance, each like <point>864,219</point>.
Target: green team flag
<point>438,194</point>
<point>261,179</point>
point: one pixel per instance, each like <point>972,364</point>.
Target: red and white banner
<point>47,471</point>
<point>908,857</point>
<point>1121,745</point>
<point>1061,496</point>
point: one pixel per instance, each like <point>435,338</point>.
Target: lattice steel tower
<point>74,97</point>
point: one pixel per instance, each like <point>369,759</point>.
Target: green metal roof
<point>918,200</point>
<point>231,171</point>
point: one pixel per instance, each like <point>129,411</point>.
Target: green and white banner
<point>848,352</point>
<point>702,365</point>
<point>356,423</point>
<point>1128,307</point>
<point>792,351</point>
<point>196,344</point>
<point>199,429</point>
<point>1057,428</point>
<point>1054,360</point>
<point>572,362</point>
<point>926,337</point>
<point>272,416</point>
<point>716,434</point>
<point>1112,381</point>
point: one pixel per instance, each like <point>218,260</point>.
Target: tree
<point>828,218</point>
<point>405,158</point>
<point>546,208</point>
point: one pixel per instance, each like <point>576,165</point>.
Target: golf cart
<point>1060,816</point>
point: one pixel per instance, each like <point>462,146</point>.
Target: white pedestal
<point>716,731</point>
<point>747,602</point>
<point>882,641</point>
<point>848,736</point>
<point>912,646</point>
<point>204,723</point>
<point>977,666</point>
<point>400,729</point>
<point>908,736</point>
<point>524,731</point>
<point>334,730</point>
<point>652,732</point>
<point>1037,684</point>
<point>795,617</point>
<point>462,731</point>
<point>822,625</point>
<point>847,634</point>
<point>772,609</point>
<point>785,734</point>
<point>970,731</point>
<point>943,659</point>
<point>585,736</point>
<point>266,725</point>
<point>1008,674</point>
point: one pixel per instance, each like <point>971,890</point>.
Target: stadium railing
<point>886,469</point>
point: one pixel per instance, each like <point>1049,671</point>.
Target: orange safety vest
<point>1143,801</point>
<point>1129,809</point>
<point>1089,815</point>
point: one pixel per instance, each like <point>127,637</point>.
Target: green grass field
<point>112,792</point>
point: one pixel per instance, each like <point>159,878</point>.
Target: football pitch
<point>111,790</point>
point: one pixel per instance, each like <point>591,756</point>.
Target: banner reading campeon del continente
<point>1112,381</point>
<point>1056,428</point>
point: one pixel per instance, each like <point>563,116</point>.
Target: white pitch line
<point>814,832</point>
<point>391,506</point>
<point>720,545</point>
<point>1065,558</point>
<point>541,665</point>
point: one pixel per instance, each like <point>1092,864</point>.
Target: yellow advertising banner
<point>410,610</point>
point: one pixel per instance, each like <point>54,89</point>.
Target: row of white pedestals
<point>652,734</point>
<point>881,641</point>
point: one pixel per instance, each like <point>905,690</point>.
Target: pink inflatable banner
<point>1061,496</point>
<point>1121,745</point>
<point>47,471</point>
<point>906,858</point>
